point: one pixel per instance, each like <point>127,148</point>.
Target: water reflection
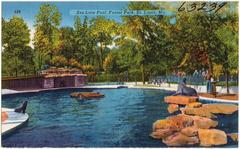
<point>123,118</point>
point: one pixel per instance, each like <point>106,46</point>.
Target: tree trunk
<point>226,78</point>
<point>107,78</point>
<point>51,55</point>
<point>226,69</point>
<point>99,64</point>
<point>210,66</point>
<point>143,74</point>
<point>34,69</point>
<point>16,71</point>
<point>39,61</point>
<point>101,54</point>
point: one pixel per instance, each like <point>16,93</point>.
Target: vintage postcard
<point>112,74</point>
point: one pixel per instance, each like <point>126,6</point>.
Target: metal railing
<point>193,80</point>
<point>198,80</point>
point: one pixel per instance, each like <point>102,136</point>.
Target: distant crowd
<point>179,75</point>
<point>197,73</point>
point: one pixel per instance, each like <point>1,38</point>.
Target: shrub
<point>58,61</point>
<point>74,63</point>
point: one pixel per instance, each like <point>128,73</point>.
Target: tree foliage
<point>145,46</point>
<point>17,54</point>
<point>46,37</point>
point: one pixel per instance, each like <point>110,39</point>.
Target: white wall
<point>199,88</point>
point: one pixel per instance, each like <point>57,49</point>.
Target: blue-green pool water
<point>123,118</point>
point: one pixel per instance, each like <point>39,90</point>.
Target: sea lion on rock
<point>184,90</point>
<point>22,108</point>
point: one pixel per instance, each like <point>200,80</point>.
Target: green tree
<point>17,54</point>
<point>66,46</point>
<point>103,30</point>
<point>206,38</point>
<point>149,36</point>
<point>59,61</point>
<point>78,42</point>
<point>46,37</point>
<point>85,42</point>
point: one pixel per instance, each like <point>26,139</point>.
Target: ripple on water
<point>123,118</point>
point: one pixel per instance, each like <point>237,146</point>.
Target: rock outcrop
<point>233,136</point>
<point>173,108</point>
<point>181,129</point>
<point>210,137</point>
<point>194,125</point>
<point>179,139</point>
<point>181,121</point>
<point>220,108</point>
<point>162,133</point>
<point>208,110</point>
<point>194,105</point>
<point>204,123</point>
<point>190,131</point>
<point>163,128</point>
<point>162,124</point>
<point>198,112</point>
<point>86,95</point>
<point>181,100</point>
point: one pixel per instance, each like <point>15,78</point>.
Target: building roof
<point>61,72</point>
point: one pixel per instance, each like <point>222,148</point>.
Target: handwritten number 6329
<point>207,7</point>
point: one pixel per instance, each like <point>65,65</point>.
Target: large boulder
<point>162,133</point>
<point>204,123</point>
<point>208,110</point>
<point>190,131</point>
<point>210,137</point>
<point>221,108</point>
<point>170,125</point>
<point>181,100</point>
<point>86,95</point>
<point>75,94</point>
<point>163,124</point>
<point>198,123</point>
<point>173,108</point>
<point>179,139</point>
<point>194,105</point>
<point>181,129</point>
<point>198,112</point>
<point>181,121</point>
<point>163,128</point>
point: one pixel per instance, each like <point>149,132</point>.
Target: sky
<point>28,10</point>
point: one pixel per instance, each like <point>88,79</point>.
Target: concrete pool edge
<point>217,100</point>
<point>11,92</point>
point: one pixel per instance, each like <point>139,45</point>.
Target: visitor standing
<point>209,83</point>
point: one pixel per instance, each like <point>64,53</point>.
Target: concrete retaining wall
<point>22,82</point>
<point>199,88</point>
<point>39,82</point>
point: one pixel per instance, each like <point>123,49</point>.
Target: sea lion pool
<point>122,118</point>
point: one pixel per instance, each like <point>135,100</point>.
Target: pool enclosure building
<point>50,78</point>
<point>56,78</point>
